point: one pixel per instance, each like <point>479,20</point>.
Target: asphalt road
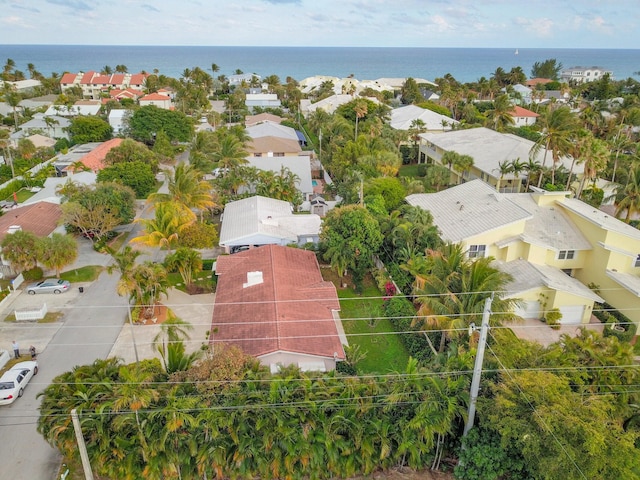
<point>92,324</point>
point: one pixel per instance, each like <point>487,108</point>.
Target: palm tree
<point>147,283</point>
<point>629,195</point>
<point>558,127</point>
<point>595,155</point>
<point>504,167</point>
<point>500,116</point>
<point>187,261</point>
<point>230,153</point>
<point>463,164</point>
<point>170,220</point>
<point>169,343</point>
<point>186,187</point>
<point>360,108</point>
<point>451,290</point>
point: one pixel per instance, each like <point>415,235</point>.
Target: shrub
<point>553,318</point>
<point>32,275</point>
<point>400,313</point>
<point>199,235</point>
<point>207,264</point>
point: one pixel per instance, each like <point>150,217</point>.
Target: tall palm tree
<point>504,167</point>
<point>186,261</point>
<point>558,127</point>
<point>500,116</point>
<point>451,290</point>
<point>462,164</point>
<point>186,187</point>
<point>628,195</point>
<point>595,155</point>
<point>230,153</point>
<point>163,230</point>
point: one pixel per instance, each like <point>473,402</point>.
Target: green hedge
<point>401,313</point>
<point>609,315</point>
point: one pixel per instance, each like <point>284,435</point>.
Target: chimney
<point>253,278</point>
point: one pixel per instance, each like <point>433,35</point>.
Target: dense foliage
<point>147,122</point>
<point>85,129</point>
<point>228,417</point>
<point>136,175</point>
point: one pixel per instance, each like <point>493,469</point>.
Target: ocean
<point>465,64</point>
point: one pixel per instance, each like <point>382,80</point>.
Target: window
<point>566,254</point>
<point>637,261</point>
<point>477,251</point>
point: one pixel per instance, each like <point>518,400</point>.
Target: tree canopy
<point>136,175</point>
<point>85,129</point>
<point>146,122</point>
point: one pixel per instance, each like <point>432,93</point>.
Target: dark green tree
<point>85,129</point>
<point>136,175</point>
<point>146,122</point>
<point>550,69</point>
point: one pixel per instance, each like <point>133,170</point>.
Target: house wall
<point>258,240</point>
<point>513,251</point>
<point>490,238</point>
<point>579,260</point>
<point>559,299</point>
<point>601,259</point>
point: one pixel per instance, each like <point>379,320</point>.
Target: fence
<point>31,314</point>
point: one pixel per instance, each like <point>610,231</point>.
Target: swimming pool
<point>314,183</point>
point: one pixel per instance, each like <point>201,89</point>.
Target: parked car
<point>51,285</point>
<point>14,381</point>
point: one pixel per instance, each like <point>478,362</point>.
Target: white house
<point>402,119</point>
<point>260,220</point>
<point>156,99</point>
<point>264,100</point>
<point>117,120</point>
<point>584,74</point>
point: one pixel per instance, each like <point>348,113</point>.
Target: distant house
<point>271,129</point>
<point>329,104</point>
<point>38,102</point>
<point>271,146</point>
<point>81,107</point>
<point>523,117</point>
<point>25,86</point>
<point>584,74</point>
<point>299,165</point>
<point>488,149</point>
<point>251,120</point>
<point>93,84</point>
<point>257,220</point>
<point>238,79</point>
<point>157,100</point>
<point>534,82</point>
<point>263,100</point>
<point>402,118</point>
<point>53,126</point>
<point>273,303</point>
<point>42,219</point>
<point>117,120</point>
<point>91,155</point>
<point>40,141</point>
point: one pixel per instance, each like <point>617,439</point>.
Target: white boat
<point>516,52</point>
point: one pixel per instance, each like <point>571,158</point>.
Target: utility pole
<point>477,368</point>
<point>88,474</point>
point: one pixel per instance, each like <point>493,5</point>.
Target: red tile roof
<point>138,78</point>
<point>117,79</point>
<point>101,79</point>
<point>68,78</point>
<point>532,82</point>
<point>523,112</point>
<point>87,77</point>
<point>38,218</point>
<point>95,158</point>
<point>155,97</point>
<point>289,311</point>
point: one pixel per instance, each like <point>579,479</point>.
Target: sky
<point>348,23</point>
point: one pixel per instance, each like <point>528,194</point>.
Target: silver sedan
<point>52,285</point>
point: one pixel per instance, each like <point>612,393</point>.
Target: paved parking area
<point>534,330</point>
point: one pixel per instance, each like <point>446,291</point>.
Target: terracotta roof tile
<point>68,78</point>
<point>117,79</point>
<point>95,158</point>
<point>38,218</point>
<point>137,78</point>
<point>101,79</point>
<point>290,310</point>
<point>155,97</point>
<point>523,112</point>
<point>87,77</point>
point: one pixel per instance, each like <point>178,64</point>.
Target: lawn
<point>384,353</point>
<point>409,171</point>
<point>84,274</point>
<point>202,282</point>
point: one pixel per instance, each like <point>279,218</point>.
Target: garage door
<point>530,309</point>
<point>571,314</point>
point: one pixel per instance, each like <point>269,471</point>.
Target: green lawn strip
<point>409,171</point>
<point>385,353</point>
<point>24,194</point>
<point>202,279</point>
<point>84,274</point>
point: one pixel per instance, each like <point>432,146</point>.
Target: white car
<point>14,381</point>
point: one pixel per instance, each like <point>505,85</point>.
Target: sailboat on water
<point>516,52</point>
